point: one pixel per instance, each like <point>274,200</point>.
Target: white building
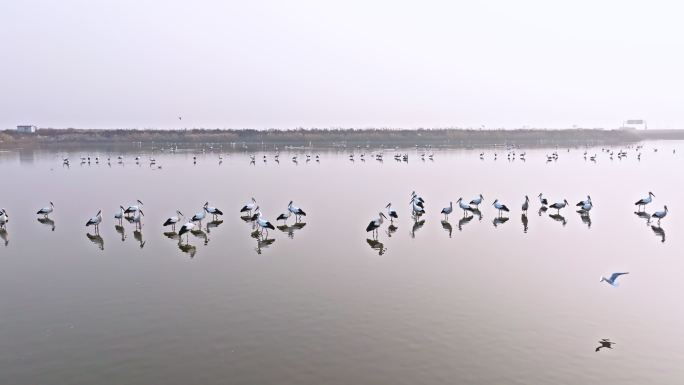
<point>27,129</point>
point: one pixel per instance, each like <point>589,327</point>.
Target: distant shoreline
<point>458,138</point>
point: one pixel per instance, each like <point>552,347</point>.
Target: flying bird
<point>612,280</point>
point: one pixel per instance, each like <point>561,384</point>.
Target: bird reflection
<point>586,218</point>
<point>201,235</point>
<point>447,226</point>
<point>137,234</point>
<point>542,210</point>
<point>377,245</point>
<point>660,232</point>
<point>477,212</point>
<point>499,220</point>
<point>121,230</point>
<point>262,243</point>
<point>391,229</point>
<point>290,230</point>
<point>96,239</point>
<point>644,215</point>
<point>523,219</point>
<point>605,343</point>
<point>172,235</point>
<point>416,226</point>
<point>465,220</point>
<point>186,248</point>
<point>47,222</point>
<point>4,236</point>
<point>213,224</point>
<point>559,218</point>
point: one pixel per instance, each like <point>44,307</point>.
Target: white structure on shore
<point>27,129</point>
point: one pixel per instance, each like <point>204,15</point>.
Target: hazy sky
<point>258,63</point>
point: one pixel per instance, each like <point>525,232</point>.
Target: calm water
<point>321,303</point>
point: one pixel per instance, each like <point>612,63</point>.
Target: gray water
<point>325,303</point>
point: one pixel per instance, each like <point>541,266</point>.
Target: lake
<point>473,300</point>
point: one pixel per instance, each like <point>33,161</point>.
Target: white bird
<point>185,229</point>
<point>559,205</point>
<point>120,214</point>
<point>543,200</point>
<point>133,208</point>
<point>641,203</point>
<point>4,218</point>
<point>477,201</point>
<point>296,211</point>
<point>660,214</point>
<point>586,207</point>
<point>391,212</point>
<point>249,207</point>
<point>263,223</point>
<point>212,210</point>
<point>584,202</point>
<point>137,219</point>
<point>173,220</point>
<point>198,217</point>
<point>95,221</point>
<point>447,210</point>
<point>375,224</point>
<point>464,206</point>
<point>500,206</point>
<point>613,279</point>
<point>284,216</point>
<point>46,210</point>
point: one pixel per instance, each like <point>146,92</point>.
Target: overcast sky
<point>284,64</point>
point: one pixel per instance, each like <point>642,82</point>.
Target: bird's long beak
<point>181,214</point>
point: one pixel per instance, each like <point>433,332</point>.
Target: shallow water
<point>458,302</point>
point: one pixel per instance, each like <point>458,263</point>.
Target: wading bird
<point>447,210</point>
<point>173,220</point>
<point>186,228</point>
<point>263,223</point>
<point>375,224</point>
<point>212,210</point>
<point>463,206</point>
<point>391,212</point>
<point>542,200</point>
<point>95,221</point>
<point>4,218</point>
<point>500,206</point>
<point>45,211</point>
<point>133,208</point>
<point>660,214</point>
<point>476,202</point>
<point>249,207</point>
<point>526,204</point>
<point>559,205</point>
<point>120,214</point>
<point>641,203</point>
<point>296,211</point>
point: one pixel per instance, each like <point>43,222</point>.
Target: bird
<point>284,216</point>
<point>249,207</point>
<point>526,204</point>
<point>173,220</point>
<point>586,207</point>
<point>500,206</point>
<point>559,205</point>
<point>4,218</point>
<point>296,211</point>
<point>95,221</point>
<point>198,217</point>
<point>584,202</point>
<point>133,208</point>
<point>45,211</point>
<point>186,228</point>
<point>212,210</point>
<point>660,214</point>
<point>605,343</point>
<point>120,214</point>
<point>463,206</point>
<point>641,203</point>
<point>263,223</point>
<point>391,212</point>
<point>476,202</point>
<point>613,278</point>
<point>543,200</point>
<point>375,223</point>
<point>447,210</point>
<point>137,219</point>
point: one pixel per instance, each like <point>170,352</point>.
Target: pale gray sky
<point>260,63</point>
